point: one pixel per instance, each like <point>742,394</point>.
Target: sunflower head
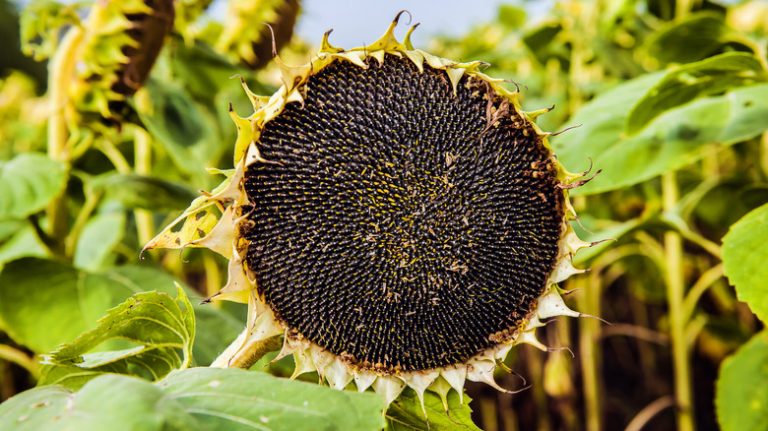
<point>395,216</point>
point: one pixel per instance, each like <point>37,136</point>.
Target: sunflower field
<point>554,220</point>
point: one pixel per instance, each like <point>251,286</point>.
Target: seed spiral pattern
<point>398,225</point>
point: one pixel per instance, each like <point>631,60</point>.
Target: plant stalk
<point>675,280</point>
<point>61,70</point>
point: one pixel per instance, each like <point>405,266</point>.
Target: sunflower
<point>393,216</point>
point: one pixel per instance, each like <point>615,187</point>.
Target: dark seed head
<point>399,225</point>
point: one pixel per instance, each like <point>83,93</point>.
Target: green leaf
<point>744,259</point>
<point>671,141</point>
<point>184,129</point>
<point>108,402</point>
<point>601,124</point>
<point>697,36</point>
<point>136,191</point>
<point>685,83</point>
<point>234,399</point>
<point>28,183</point>
<point>405,414</point>
<point>21,241</point>
<point>45,303</point>
<point>741,395</point>
<point>155,323</point>
<point>99,237</point>
<point>199,399</point>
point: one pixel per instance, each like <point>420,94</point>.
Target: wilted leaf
<point>745,256</point>
<point>742,388</point>
<point>685,83</point>
<point>405,414</point>
<point>155,323</point>
<point>27,183</point>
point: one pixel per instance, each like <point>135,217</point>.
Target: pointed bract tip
<point>397,17</point>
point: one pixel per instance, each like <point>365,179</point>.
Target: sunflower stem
<point>675,280</point>
<point>62,67</point>
<point>243,353</point>
<point>142,165</point>
<point>589,348</point>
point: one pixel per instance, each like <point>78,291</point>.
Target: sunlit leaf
<point>671,141</point>
<point>745,256</point>
<point>27,183</point>
<point>742,389</point>
<point>684,83</point>
<point>406,414</point>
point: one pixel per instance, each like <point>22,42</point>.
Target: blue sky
<point>357,23</point>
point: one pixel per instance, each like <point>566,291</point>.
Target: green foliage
<point>742,389</point>
<point>658,89</point>
<point>38,297</point>
<point>28,182</point>
<point>138,191</point>
<point>155,324</point>
<point>745,256</point>
<point>194,399</point>
<point>406,414</point>
<point>678,134</point>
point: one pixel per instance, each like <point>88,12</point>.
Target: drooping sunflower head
<point>395,216</point>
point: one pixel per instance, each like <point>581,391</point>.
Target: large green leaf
<point>137,191</point>
<point>199,399</point>
<point>157,325</point>
<point>745,256</point>
<point>45,303</point>
<point>685,83</point>
<point>109,402</point>
<point>671,141</point>
<point>27,183</point>
<point>406,414</point>
<point>601,124</point>
<point>741,397</point>
<point>233,399</point>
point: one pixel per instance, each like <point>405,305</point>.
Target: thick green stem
<point>675,280</point>
<point>61,70</point>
